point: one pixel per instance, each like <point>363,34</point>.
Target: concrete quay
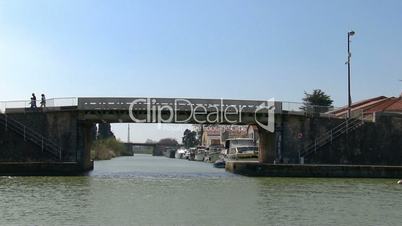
<point>42,168</point>
<point>257,169</point>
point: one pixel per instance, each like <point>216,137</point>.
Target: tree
<point>168,142</point>
<point>105,131</point>
<point>317,101</point>
<point>190,138</point>
<point>150,141</point>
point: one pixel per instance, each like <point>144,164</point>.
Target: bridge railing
<point>188,104</point>
<point>53,102</point>
<point>123,103</point>
<point>301,107</point>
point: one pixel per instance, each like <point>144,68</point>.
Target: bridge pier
<point>84,145</point>
<point>267,146</point>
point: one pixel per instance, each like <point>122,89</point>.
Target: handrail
<point>52,102</point>
<point>74,101</point>
<point>29,134</point>
<point>346,126</point>
<point>319,142</point>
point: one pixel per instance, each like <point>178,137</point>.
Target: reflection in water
<point>34,198</point>
<point>330,201</point>
<point>159,191</point>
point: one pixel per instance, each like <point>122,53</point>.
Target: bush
<point>105,149</point>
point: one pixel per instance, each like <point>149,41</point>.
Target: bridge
<point>61,132</point>
<point>157,149</point>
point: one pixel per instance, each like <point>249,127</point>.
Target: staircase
<point>30,135</point>
<point>345,127</point>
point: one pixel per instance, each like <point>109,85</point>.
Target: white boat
<point>212,156</point>
<point>191,154</point>
<point>180,153</point>
<point>241,149</point>
<point>199,155</point>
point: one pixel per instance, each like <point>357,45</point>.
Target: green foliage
<point>105,131</point>
<point>104,149</point>
<point>168,142</point>
<point>317,101</point>
<point>143,150</point>
<point>190,139</point>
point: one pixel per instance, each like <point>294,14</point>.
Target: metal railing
<point>111,103</point>
<point>350,124</point>
<point>186,104</point>
<point>30,135</point>
<point>53,102</point>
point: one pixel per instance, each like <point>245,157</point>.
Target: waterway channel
<point>146,190</point>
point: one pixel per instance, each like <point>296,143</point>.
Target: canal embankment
<point>257,169</point>
<point>43,168</point>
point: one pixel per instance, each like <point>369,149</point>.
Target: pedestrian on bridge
<point>33,101</point>
<point>43,101</point>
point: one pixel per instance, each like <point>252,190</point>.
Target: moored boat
<point>220,163</point>
<point>199,154</point>
<point>212,156</point>
<point>170,153</point>
<point>180,153</point>
<point>241,149</point>
<point>191,154</point>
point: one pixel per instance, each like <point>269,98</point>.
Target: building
<point>218,134</point>
<point>368,108</point>
<point>211,135</point>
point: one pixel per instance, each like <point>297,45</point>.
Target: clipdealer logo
<point>201,113</point>
<point>267,107</point>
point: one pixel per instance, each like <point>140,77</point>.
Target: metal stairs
<point>328,137</point>
<point>30,135</point>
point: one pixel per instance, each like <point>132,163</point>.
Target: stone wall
<point>377,143</point>
<point>374,143</point>
<point>13,148</point>
<point>62,128</point>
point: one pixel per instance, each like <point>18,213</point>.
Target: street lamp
<point>350,34</point>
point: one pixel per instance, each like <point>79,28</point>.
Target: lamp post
<point>350,34</point>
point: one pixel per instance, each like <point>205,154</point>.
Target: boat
<point>170,153</point>
<point>220,163</point>
<point>186,154</point>
<point>199,154</point>
<point>212,156</point>
<point>399,182</point>
<point>191,154</point>
<point>213,153</point>
<point>241,149</point>
<point>180,153</point>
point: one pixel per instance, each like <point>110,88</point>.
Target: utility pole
<point>128,133</point>
<point>350,34</point>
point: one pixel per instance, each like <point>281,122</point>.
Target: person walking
<point>33,101</point>
<point>43,101</point>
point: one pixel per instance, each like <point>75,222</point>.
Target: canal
<point>146,190</point>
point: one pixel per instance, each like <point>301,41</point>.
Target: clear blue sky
<point>203,48</point>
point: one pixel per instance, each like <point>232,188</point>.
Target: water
<point>145,190</point>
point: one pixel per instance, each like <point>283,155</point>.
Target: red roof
<point>377,104</point>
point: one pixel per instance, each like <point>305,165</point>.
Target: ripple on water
<point>159,191</point>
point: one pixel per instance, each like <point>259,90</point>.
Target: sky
<point>236,49</point>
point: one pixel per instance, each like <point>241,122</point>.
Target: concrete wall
<point>378,143</point>
<point>312,170</point>
<point>63,128</point>
<point>13,148</point>
<point>292,134</point>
